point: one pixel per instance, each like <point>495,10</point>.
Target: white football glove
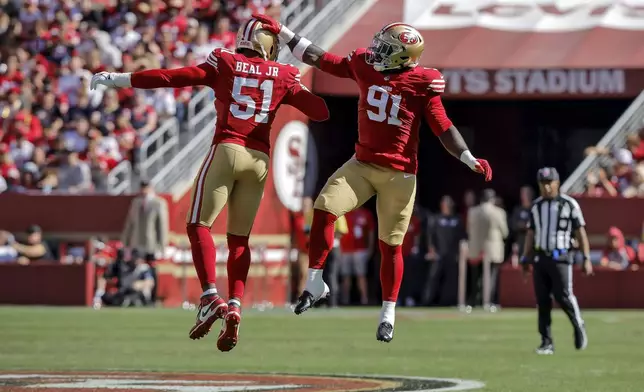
<point>110,79</point>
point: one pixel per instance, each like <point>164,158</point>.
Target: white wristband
<point>122,79</point>
<point>300,48</point>
<point>286,34</point>
<point>468,159</point>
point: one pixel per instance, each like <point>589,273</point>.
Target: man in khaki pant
<point>487,229</point>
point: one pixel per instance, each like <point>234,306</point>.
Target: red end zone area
<point>176,382</point>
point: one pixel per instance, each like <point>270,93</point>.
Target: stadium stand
<point>55,134</point>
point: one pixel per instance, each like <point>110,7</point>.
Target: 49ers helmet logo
<point>408,37</point>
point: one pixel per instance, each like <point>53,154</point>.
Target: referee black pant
<point>554,279</point>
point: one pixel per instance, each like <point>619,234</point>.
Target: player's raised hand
<point>110,79</point>
<point>269,23</point>
<point>483,167</point>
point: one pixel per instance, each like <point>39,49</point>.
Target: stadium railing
<point>158,148</point>
<point>119,179</point>
<point>321,21</point>
<point>155,152</point>
<point>630,121</point>
<point>322,27</point>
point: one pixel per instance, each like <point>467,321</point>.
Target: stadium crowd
<point>622,169</point>
<point>56,134</point>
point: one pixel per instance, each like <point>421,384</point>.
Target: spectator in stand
<point>617,254</point>
<point>622,171</point>
<point>636,187</point>
<point>356,249</point>
<point>635,145</point>
<point>74,175</point>
<point>598,184</point>
<point>8,169</point>
<point>8,253</point>
<point>223,36</point>
<point>447,236</point>
<point>143,116</point>
<point>50,47</point>
<point>34,248</point>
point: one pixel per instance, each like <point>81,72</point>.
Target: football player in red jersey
<point>395,93</point>
<point>249,87</point>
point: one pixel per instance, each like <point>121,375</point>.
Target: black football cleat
<point>581,339</point>
<point>545,349</point>
<point>385,332</point>
<point>308,300</point>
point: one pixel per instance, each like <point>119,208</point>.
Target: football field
<point>495,349</point>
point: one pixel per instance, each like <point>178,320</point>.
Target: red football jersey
<point>360,224</point>
<point>248,92</point>
<point>390,108</point>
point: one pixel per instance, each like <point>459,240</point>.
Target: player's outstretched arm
<point>200,75</point>
<point>452,139</point>
<point>307,52</point>
<point>303,49</point>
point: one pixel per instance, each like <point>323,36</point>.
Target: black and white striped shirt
<point>554,222</point>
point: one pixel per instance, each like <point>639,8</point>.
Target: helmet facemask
<point>380,54</point>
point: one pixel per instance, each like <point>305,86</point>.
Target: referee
<point>554,219</point>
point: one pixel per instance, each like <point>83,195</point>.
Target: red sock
<point>238,265</point>
<point>322,236</point>
<point>204,254</point>
<point>391,271</point>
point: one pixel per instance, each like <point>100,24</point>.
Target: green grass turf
<point>494,348</point>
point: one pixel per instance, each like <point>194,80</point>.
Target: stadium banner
<point>473,83</point>
<point>525,15</point>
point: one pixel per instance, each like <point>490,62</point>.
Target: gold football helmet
<point>396,46</point>
<point>253,36</point>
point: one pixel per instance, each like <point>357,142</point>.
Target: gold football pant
<point>234,175</point>
<point>356,182</point>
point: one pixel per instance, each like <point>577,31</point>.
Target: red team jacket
<point>390,109</point>
<point>248,92</point>
<point>361,224</point>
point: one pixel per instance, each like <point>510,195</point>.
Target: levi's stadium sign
<point>525,15</point>
<point>533,83</point>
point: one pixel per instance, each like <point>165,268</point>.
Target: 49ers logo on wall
<point>407,37</point>
<point>291,163</point>
<point>173,382</point>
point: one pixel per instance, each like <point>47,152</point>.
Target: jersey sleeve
<point>434,85</point>
<point>436,116</point>
<point>302,99</point>
<point>341,67</point>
